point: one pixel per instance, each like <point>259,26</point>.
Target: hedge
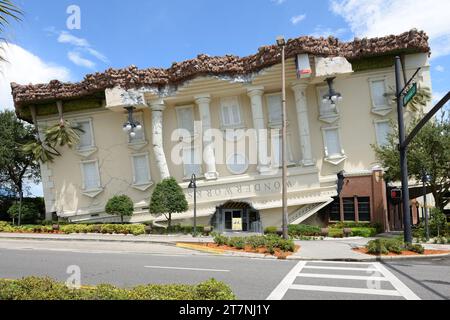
<point>35,288</point>
<point>271,242</point>
<point>385,246</point>
<point>134,229</point>
<point>304,230</point>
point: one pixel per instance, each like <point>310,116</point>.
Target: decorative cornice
<point>409,42</point>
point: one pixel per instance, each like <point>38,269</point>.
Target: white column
<point>158,107</point>
<point>256,97</point>
<point>203,102</point>
<point>303,123</point>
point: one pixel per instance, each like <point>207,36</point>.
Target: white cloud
<point>320,31</point>
<point>297,19</point>
<point>80,44</point>
<point>278,2</point>
<point>76,58</point>
<point>24,67</point>
<point>65,37</point>
<point>383,17</point>
<point>439,68</point>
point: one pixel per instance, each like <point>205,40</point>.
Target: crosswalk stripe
<point>342,262</point>
<point>346,290</point>
<point>398,285</point>
<point>280,291</point>
<point>343,277</point>
<point>340,268</point>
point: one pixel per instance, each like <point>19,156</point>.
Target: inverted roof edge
<point>132,77</point>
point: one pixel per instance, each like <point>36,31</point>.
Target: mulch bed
<point>248,249</point>
<point>404,253</point>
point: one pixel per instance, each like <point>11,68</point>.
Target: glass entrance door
<point>229,215</point>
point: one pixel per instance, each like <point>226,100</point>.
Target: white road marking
<point>280,291</point>
<point>336,276</point>
<point>342,262</point>
<point>341,268</point>
<point>347,290</point>
<point>398,285</point>
<point>380,274</point>
<point>189,269</point>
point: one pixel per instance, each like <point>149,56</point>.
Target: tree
<point>168,198</point>
<point>29,213</point>
<point>7,11</point>
<point>429,151</point>
<point>120,206</point>
<point>16,166</point>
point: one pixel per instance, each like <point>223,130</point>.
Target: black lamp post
<point>193,185</point>
<point>425,179</point>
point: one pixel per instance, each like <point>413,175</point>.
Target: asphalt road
<point>127,265</point>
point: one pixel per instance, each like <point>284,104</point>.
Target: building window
<point>274,109</point>
<point>192,162</point>
<point>383,130</point>
<point>140,134</point>
<point>378,89</point>
<point>364,209</point>
<point>349,209</point>
<point>237,163</point>
<point>277,150</point>
<point>334,152</point>
<point>86,136</point>
<point>91,175</point>
<point>379,95</point>
<point>185,116</point>
<point>335,210</point>
<point>231,113</point>
<point>141,169</point>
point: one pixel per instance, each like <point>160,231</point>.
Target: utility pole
<point>282,43</point>
<point>403,152</point>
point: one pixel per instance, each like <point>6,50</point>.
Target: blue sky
<point>156,33</point>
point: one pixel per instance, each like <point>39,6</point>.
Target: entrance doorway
<point>237,217</point>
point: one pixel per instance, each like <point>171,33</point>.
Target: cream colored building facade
<point>322,141</point>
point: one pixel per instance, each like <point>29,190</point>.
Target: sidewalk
<point>328,249</point>
<point>159,239</point>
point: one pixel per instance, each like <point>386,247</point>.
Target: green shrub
<point>29,213</point>
<point>438,223</point>
<point>417,248</point>
<point>121,206</point>
<point>366,232</point>
<point>220,240</point>
<point>336,233</point>
<point>34,288</point>
<point>377,247</point>
<point>237,242</point>
<point>271,230</point>
<point>256,242</point>
<point>303,230</point>
<point>393,245</point>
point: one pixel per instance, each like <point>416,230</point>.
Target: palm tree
<point>8,10</point>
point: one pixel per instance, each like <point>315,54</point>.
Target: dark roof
<point>409,42</point>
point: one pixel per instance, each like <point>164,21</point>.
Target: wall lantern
<point>131,126</point>
<point>332,97</point>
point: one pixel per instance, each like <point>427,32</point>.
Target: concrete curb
<point>171,243</point>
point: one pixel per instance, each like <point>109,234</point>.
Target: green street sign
<point>410,94</point>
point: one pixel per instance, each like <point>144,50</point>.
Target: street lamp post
<point>193,185</point>
<point>131,126</point>
<point>282,44</point>
<point>425,180</point>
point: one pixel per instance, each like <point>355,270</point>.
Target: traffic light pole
<point>403,153</point>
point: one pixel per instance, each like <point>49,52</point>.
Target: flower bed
<point>270,244</point>
<point>395,247</point>
<point>34,288</point>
